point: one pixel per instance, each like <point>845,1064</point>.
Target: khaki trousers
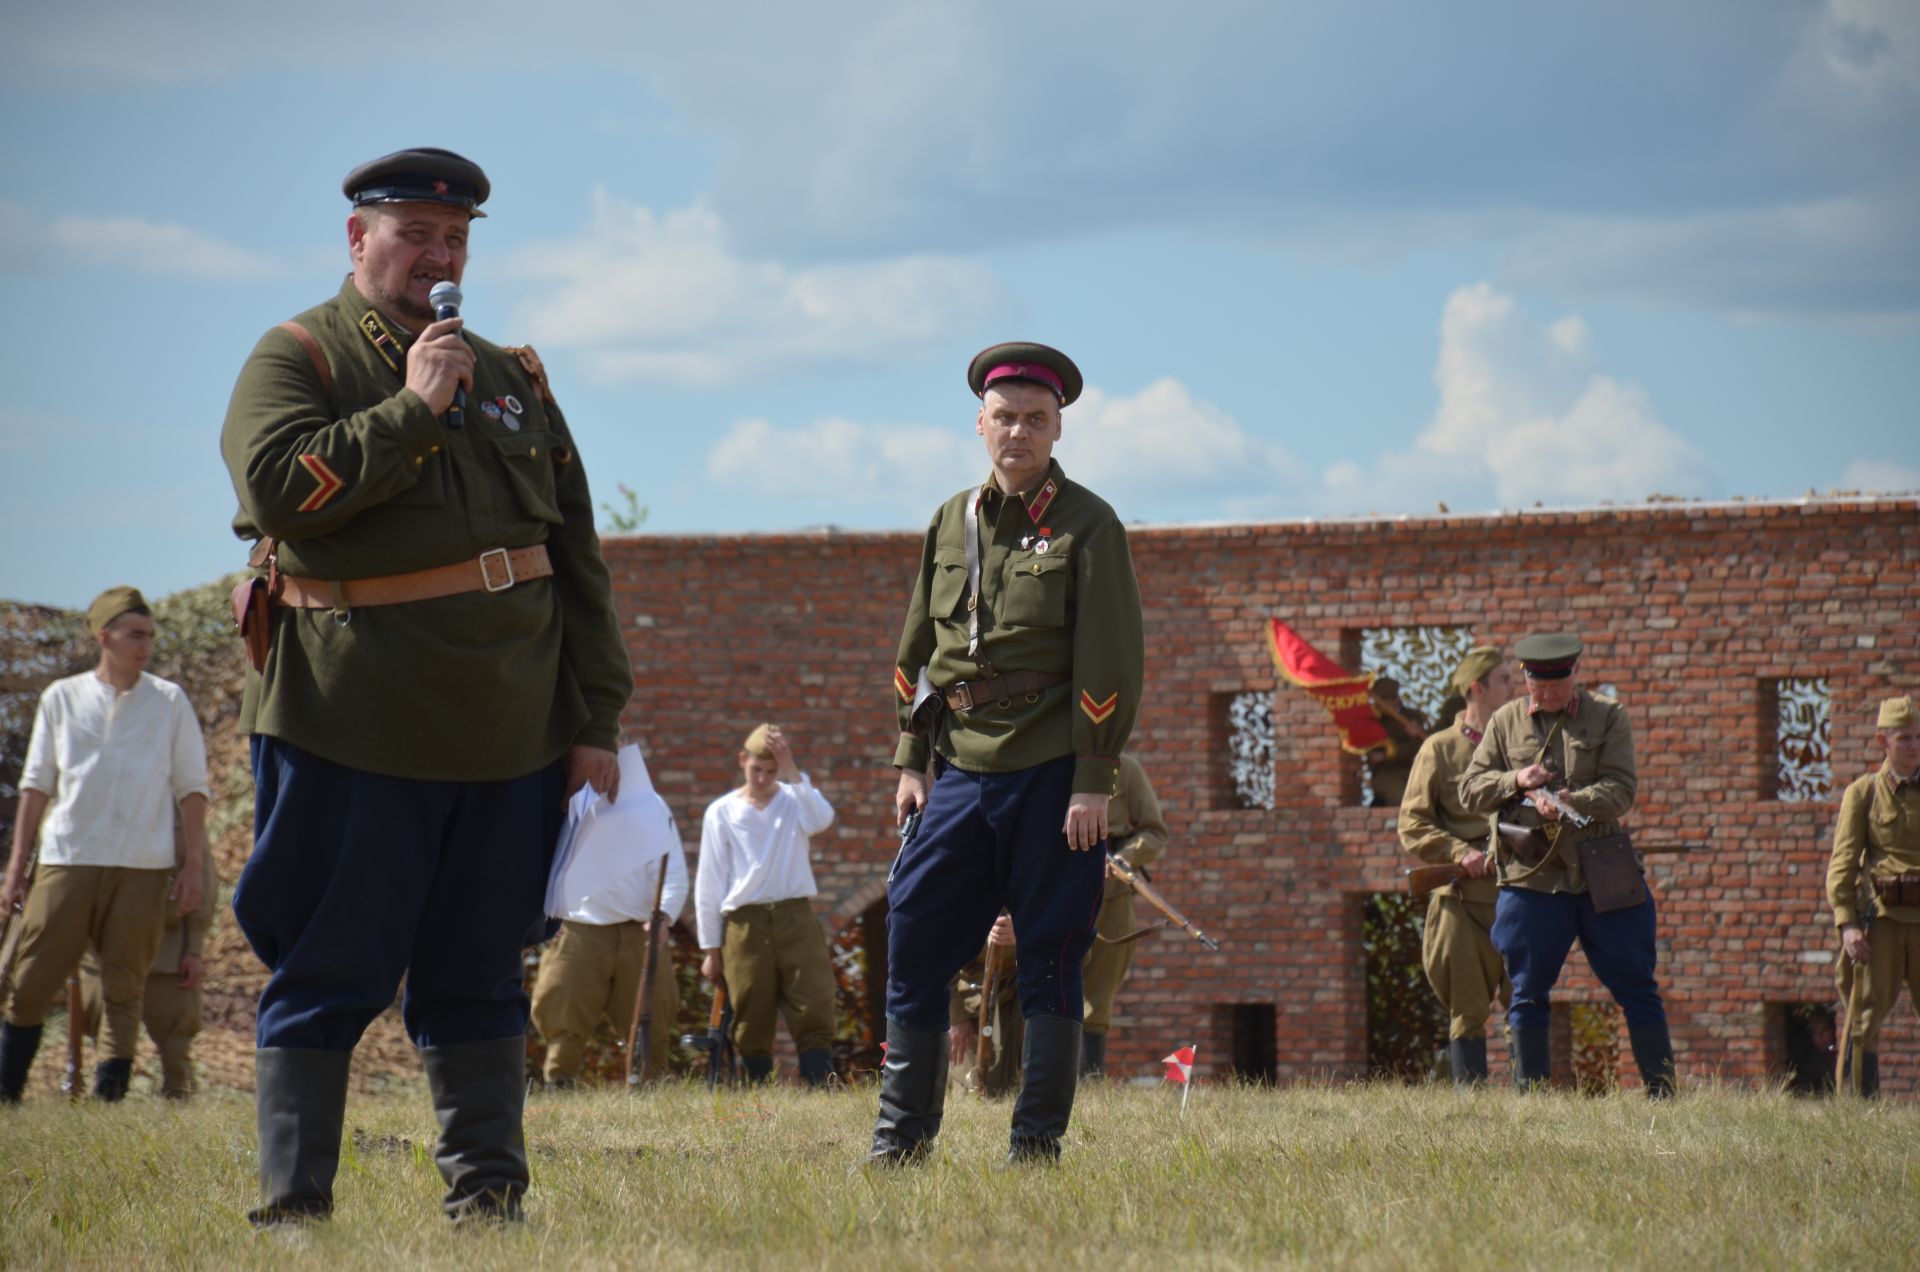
<point>1462,964</point>
<point>117,913</point>
<point>1005,1051</point>
<point>775,960</point>
<point>1876,984</point>
<point>1107,964</point>
<point>171,1015</point>
<point>591,972</point>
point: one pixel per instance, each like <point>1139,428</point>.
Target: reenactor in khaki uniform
<point>1138,833</point>
<point>1560,750</point>
<point>1873,885</point>
<point>171,1008</point>
<point>114,760</point>
<point>1003,1018</point>
<point>1019,674</point>
<point>1457,949</point>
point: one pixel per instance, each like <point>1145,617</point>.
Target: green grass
<point>1364,1176</point>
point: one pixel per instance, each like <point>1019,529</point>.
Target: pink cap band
<point>1025,371</point>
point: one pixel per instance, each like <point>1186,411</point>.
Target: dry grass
<point>1380,1176</point>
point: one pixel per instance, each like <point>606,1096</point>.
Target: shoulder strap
<point>315,354</point>
<point>973,580</point>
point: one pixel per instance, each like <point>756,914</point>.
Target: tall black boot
<point>1653,1052</point>
<point>1093,1055</point>
<point>1869,1074</point>
<point>759,1068</point>
<point>913,1094</point>
<point>479,1097</point>
<point>1532,1058</point>
<point>1467,1057</point>
<point>18,1044</point>
<point>301,1104</point>
<point>110,1080</point>
<point>1051,1065</point>
<point>816,1066</point>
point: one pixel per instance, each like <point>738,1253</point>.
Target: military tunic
<point>1135,830</point>
<point>1877,837</point>
<point>1457,950</point>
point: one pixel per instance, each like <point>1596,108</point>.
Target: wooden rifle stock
<point>1117,866</point>
<point>1424,879</point>
<point>76,1035</point>
<point>718,1021</point>
<point>640,1041</point>
<point>983,1039</point>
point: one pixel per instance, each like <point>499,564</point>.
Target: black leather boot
<point>1653,1053</point>
<point>301,1105</point>
<point>1532,1058</point>
<point>913,1095</point>
<point>110,1079</point>
<point>1051,1066</point>
<point>1467,1057</point>
<point>1093,1055</point>
<point>816,1066</point>
<point>18,1045</point>
<point>479,1097</point>
<point>759,1068</point>
<point>1869,1074</point>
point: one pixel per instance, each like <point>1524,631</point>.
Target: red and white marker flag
<point>1180,1069</point>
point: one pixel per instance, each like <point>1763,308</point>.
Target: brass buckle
<point>486,576</point>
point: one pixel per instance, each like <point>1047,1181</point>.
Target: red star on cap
<point>439,187</point>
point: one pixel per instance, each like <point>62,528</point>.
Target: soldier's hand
<point>1532,776</point>
<point>1548,810</point>
<point>960,1045</point>
<point>593,764</point>
<point>910,796</point>
<point>185,892</point>
<point>439,362</point>
<point>1086,821</point>
<point>1002,932</point>
<point>13,894</point>
<point>1475,864</point>
<point>712,966</point>
<point>789,771</point>
<point>191,969</point>
<point>1854,941</point>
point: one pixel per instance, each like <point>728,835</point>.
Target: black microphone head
<point>445,297</point>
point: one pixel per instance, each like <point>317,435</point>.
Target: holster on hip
<point>1614,881</point>
<point>1900,889</point>
<point>252,616</point>
<point>1528,844</point>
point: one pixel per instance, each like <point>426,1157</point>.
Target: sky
<point>1315,260</point>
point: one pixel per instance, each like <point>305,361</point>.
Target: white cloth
<point>608,861</point>
<point>751,856</point>
<point>113,766</point>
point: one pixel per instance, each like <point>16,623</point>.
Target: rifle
<point>983,1045</point>
<point>1422,880</point>
<point>640,1040</point>
<point>1135,879</point>
<point>76,1033</point>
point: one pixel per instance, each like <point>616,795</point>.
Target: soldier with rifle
<point>1137,834</point>
<point>1457,950</point>
<point>987,1029</point>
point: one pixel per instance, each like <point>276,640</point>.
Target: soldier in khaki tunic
<point>1560,748</point>
<point>171,1008</point>
<point>439,667</point>
<point>1003,1018</point>
<point>1457,950</point>
<point>1018,675</point>
<point>1138,833</point>
<point>1873,885</point>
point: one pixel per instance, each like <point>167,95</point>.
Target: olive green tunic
<point>366,481</point>
<point>1071,609</point>
<point>1590,744</point>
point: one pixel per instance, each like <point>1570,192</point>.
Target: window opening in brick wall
<point>1418,661</point>
<point>1802,718</point>
<point>1244,756</point>
<point>1807,1035</point>
<point>859,954</point>
<point>1593,1045</point>
<point>1252,1041</point>
<point>1406,1026</point>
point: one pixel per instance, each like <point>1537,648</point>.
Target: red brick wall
<point>1684,609</point>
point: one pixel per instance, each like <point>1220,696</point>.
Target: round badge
<point>512,422</point>
<point>512,403</point>
<point>490,409</point>
<point>1041,546</point>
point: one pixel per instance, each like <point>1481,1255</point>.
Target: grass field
<point>1361,1176</point>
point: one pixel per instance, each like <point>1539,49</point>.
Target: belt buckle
<point>486,576</point>
<point>964,692</point>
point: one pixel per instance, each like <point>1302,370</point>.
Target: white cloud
<point>902,470</point>
<point>127,242</point>
<point>664,297</point>
<point>1163,453</point>
<point>1881,476</point>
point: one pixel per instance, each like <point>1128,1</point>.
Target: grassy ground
<point>1383,1176</point>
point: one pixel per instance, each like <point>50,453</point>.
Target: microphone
<point>446,299</point>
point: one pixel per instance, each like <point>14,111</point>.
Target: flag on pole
<point>1180,1065</point>
<point>1340,692</point>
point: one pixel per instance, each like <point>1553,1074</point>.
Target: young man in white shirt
<point>751,899</point>
<point>114,751</point>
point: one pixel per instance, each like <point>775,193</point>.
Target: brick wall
<point>1685,609</point>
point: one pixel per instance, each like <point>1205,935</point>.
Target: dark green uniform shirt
<point>366,481</point>
<point>1877,835</point>
<point>1590,744</point>
<point>1057,596</point>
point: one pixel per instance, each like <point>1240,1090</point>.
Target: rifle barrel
<point>1148,893</point>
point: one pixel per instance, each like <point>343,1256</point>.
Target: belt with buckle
<point>495,570</point>
<point>1000,690</point>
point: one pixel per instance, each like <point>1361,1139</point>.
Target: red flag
<point>1180,1065</point>
<point>1343,694</point>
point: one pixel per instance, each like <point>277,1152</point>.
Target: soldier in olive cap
<point>444,667</point>
<point>1457,949</point>
<point>114,753</point>
<point>1873,885</point>
<point>1561,741</point>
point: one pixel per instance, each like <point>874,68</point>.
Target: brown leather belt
<point>491,571</point>
<point>969,694</point>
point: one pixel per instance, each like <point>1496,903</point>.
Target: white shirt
<point>113,765</point>
<point>607,862</point>
<point>751,856</point>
